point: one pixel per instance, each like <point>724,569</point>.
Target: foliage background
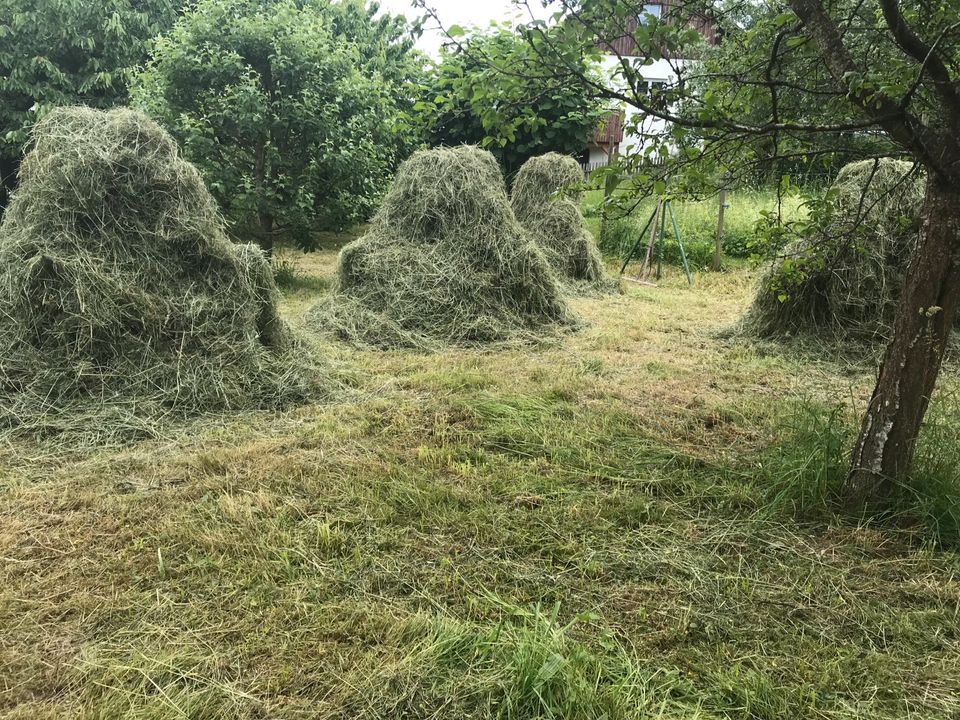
<point>67,52</point>
<point>492,89</point>
<point>294,128</point>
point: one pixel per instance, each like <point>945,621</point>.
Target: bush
<point>697,221</point>
<point>739,242</point>
<point>121,299</point>
<point>619,237</point>
<point>623,233</point>
<point>67,52</point>
<point>537,107</point>
<point>699,253</point>
<point>444,262</point>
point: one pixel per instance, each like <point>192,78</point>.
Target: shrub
<point>623,233</point>
<point>289,135</point>
<point>537,107</point>
<point>67,52</point>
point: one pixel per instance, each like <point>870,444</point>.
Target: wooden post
<point>648,259</point>
<point>719,248</point>
<point>603,214</point>
<point>611,159</point>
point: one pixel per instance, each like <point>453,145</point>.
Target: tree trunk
<point>264,216</point>
<point>265,220</point>
<point>925,315</point>
<point>9,167</point>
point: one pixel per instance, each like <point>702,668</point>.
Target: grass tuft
<point>805,472</point>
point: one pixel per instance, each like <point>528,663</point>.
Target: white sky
<point>464,13</point>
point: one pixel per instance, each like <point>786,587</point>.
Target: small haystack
<point>546,201</point>
<point>847,278</point>
<point>444,262</point>
<point>121,299</point>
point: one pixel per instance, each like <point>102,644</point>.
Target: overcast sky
<point>463,13</point>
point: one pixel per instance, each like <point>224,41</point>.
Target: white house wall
<point>636,123</point>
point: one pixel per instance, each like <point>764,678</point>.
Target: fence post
<point>603,213</point>
<point>719,246</point>
<point>611,160</point>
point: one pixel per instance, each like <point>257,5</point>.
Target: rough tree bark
<point>261,172</point>
<point>883,453</point>
<point>925,315</point>
<point>265,220</point>
<point>264,216</point>
<point>8,179</point>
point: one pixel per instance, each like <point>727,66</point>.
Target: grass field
<point>625,523</point>
<point>697,223</point>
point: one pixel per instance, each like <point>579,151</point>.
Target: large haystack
<point>121,299</point>
<point>444,262</point>
<point>546,200</point>
<point>847,278</point>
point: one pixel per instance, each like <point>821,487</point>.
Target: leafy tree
<point>289,134</point>
<point>824,71</point>
<point>63,52</point>
<point>492,89</point>
<point>767,157</point>
<point>386,48</point>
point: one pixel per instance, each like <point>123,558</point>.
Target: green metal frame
<point>668,208</point>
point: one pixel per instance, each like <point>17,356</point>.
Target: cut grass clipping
<point>444,262</point>
<point>546,200</point>
<point>847,276</point>
<point>121,300</point>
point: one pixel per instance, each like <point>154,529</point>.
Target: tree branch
<point>925,54</point>
<point>899,124</point>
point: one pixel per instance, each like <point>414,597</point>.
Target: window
<point>654,9</point>
<point>655,92</point>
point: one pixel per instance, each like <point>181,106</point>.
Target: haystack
<point>444,262</point>
<point>121,299</point>
<point>846,278</point>
<point>546,200</point>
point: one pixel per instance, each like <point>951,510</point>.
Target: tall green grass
<point>697,222</point>
<point>805,472</point>
<point>529,665</point>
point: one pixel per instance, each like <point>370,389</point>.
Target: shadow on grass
<point>290,279</point>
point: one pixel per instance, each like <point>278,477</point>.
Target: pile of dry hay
<point>444,262</point>
<point>121,299</point>
<point>847,278</point>
<point>546,200</point>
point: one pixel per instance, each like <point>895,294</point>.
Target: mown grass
<point>630,523</point>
